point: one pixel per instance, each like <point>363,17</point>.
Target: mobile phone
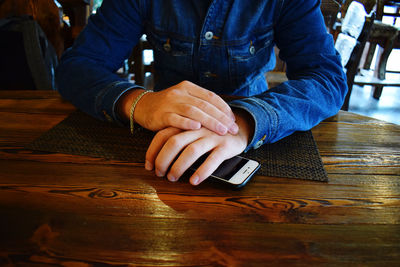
<point>235,172</point>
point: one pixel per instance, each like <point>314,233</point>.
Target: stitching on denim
<point>100,96</point>
<point>274,119</point>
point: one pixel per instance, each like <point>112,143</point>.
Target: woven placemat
<point>295,156</point>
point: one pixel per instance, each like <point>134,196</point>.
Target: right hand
<point>185,106</point>
<point>173,150</point>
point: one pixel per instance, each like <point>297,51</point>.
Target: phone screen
<point>227,169</point>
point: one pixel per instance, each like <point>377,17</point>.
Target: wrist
<point>125,102</point>
<point>133,109</point>
<point>246,124</point>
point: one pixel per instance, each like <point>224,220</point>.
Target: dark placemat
<point>295,156</point>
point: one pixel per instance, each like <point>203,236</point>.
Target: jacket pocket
<point>250,58</point>
<point>171,55</point>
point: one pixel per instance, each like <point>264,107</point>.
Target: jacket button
<point>252,49</point>
<point>167,47</point>
<point>258,144</point>
<point>209,35</point>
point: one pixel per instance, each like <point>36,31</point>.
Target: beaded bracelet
<point>134,106</point>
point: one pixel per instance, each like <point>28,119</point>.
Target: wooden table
<point>75,210</point>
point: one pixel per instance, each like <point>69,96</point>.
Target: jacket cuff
<point>265,120</point>
<point>110,98</point>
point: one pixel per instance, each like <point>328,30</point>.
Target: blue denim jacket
<point>228,52</point>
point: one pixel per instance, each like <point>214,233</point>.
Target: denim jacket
<point>228,52</point>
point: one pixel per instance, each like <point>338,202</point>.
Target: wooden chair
<point>31,43</point>
<point>383,38</point>
<point>330,10</point>
<point>138,66</point>
<point>369,6</point>
<point>352,65</point>
<point>46,12</point>
<point>77,11</point>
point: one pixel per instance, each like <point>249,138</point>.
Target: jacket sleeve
<point>317,84</point>
<point>86,73</point>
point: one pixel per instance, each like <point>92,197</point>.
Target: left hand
<point>192,144</point>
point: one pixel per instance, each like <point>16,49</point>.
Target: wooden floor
<point>387,108</point>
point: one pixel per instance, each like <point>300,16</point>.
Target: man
<point>204,49</point>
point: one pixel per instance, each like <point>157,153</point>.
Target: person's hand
<point>184,106</point>
<point>190,145</point>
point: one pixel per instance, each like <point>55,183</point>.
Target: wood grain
<point>59,209</point>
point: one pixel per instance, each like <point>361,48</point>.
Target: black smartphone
<point>235,172</point>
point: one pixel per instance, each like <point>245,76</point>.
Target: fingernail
<point>171,177</point>
<point>195,180</point>
<point>234,128</point>
<point>221,129</point>
<point>196,125</point>
<point>159,174</point>
<point>148,166</point>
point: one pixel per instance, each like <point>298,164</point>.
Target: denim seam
<point>271,115</point>
<point>273,118</point>
<point>102,93</point>
<point>100,97</point>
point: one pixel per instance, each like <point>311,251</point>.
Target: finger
<point>208,167</point>
<point>189,156</point>
<point>156,144</point>
<point>212,98</point>
<point>170,150</point>
<point>181,122</point>
<point>213,112</point>
<point>208,115</point>
<point>193,112</point>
